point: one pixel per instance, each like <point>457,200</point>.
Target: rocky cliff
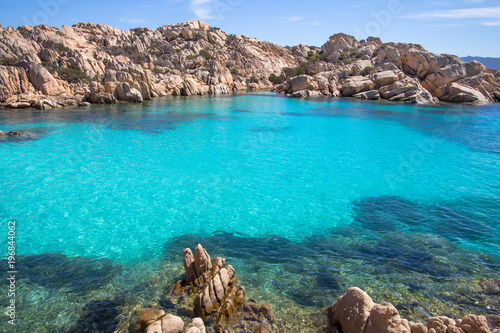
<point>46,67</point>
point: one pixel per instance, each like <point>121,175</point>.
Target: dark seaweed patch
<point>56,270</point>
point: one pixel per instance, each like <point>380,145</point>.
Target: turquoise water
<point>304,197</point>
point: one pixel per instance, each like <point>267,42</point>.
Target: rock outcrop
<point>356,312</point>
<point>95,63</point>
<point>395,72</point>
<point>189,58</point>
<point>211,291</point>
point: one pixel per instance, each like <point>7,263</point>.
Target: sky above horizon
<point>461,27</point>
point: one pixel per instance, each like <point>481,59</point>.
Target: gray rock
<point>125,93</point>
<point>198,323</point>
<point>384,78</point>
<point>172,324</point>
<point>371,95</point>
<point>356,84</point>
<point>299,83</point>
<point>19,105</point>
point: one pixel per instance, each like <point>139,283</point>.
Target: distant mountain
<point>493,63</point>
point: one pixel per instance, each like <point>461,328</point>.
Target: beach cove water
<point>305,198</point>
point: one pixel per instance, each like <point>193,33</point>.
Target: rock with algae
<point>211,292</point>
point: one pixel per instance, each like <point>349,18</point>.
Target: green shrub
<point>197,36</point>
<point>253,79</point>
<point>205,54</point>
<point>73,75</point>
<point>343,74</point>
<point>230,39</point>
<point>191,57</point>
<point>60,48</point>
<point>235,72</point>
<point>9,61</point>
<point>277,79</point>
<point>367,70</point>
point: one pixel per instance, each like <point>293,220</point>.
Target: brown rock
<point>418,328</point>
<point>172,324</point>
<point>193,330</point>
<point>371,95</point>
<point>197,323</point>
<point>189,266</point>
<point>218,288</point>
<point>384,78</point>
<point>384,318</point>
<point>440,324</point>
<point>406,324</point>
<point>475,324</point>
<point>43,80</point>
<point>224,277</point>
<point>351,311</point>
<point>125,93</point>
<point>356,84</point>
<point>154,327</point>
<point>148,316</point>
<point>266,310</point>
<point>202,260</point>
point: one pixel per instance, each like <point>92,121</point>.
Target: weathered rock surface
<point>356,312</point>
<point>351,311</point>
<point>192,58</point>
<point>212,291</point>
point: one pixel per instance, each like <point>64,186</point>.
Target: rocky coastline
<point>212,300</point>
<point>45,67</point>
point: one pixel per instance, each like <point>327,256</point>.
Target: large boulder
<point>351,311</point>
<point>385,78</point>
<point>125,93</point>
<point>356,84</point>
<point>384,318</point>
<point>458,93</point>
<point>44,81</point>
<point>449,74</point>
<point>475,324</point>
<point>13,81</point>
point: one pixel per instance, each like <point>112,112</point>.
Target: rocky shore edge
<point>212,297</point>
<point>45,67</point>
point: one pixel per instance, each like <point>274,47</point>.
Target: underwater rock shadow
<point>100,316</point>
<point>74,274</point>
<point>25,134</point>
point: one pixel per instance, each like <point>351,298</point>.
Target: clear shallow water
<point>304,197</point>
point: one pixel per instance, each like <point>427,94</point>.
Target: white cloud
<point>469,13</point>
<point>314,24</point>
<point>291,19</point>
<point>133,20</point>
<point>492,24</point>
<point>203,9</point>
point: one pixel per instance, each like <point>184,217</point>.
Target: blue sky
<point>461,27</point>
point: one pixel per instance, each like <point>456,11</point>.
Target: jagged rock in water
<point>211,290</point>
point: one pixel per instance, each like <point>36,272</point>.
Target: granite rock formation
<point>211,291</point>
<point>47,67</point>
<point>355,312</point>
